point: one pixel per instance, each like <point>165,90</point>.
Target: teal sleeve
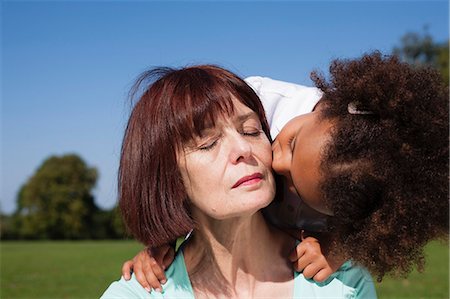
<point>124,289</point>
<point>365,289</point>
<point>359,278</point>
<point>178,285</point>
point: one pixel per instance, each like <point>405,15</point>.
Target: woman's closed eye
<point>251,127</point>
<point>208,145</point>
<point>253,132</point>
<point>208,142</point>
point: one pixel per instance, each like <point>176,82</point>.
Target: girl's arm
<point>149,265</point>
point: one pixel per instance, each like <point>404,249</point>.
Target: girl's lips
<point>248,180</point>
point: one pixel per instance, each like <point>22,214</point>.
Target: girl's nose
<point>281,162</point>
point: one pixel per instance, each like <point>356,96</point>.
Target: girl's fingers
<point>301,264</point>
<point>141,277</point>
<point>323,274</point>
<point>158,273</point>
<point>297,253</point>
<point>127,268</point>
<point>311,270</point>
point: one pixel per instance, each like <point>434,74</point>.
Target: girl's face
<point>297,156</point>
<point>227,171</point>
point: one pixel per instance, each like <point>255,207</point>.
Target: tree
<point>56,202</point>
<point>442,61</point>
<point>420,49</point>
<point>108,225</point>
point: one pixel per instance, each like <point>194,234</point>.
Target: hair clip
<point>351,108</point>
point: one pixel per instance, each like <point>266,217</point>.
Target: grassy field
<point>84,270</point>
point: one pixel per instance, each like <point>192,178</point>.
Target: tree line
<point>57,201</point>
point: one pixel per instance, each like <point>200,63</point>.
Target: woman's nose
<point>281,162</point>
<point>241,148</point>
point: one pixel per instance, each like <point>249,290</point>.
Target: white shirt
<point>283,101</point>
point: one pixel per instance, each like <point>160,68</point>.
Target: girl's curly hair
<point>386,165</point>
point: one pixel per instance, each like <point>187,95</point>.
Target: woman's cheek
<point>266,153</point>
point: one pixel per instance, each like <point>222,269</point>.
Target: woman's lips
<point>249,180</point>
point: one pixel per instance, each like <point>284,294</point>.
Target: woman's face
<point>297,155</point>
<point>227,171</point>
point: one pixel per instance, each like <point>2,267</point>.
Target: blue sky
<point>66,67</point>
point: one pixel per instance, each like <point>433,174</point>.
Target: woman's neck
<point>228,257</point>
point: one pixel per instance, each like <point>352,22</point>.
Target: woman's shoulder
<point>126,289</point>
<point>349,281</point>
<point>178,285</point>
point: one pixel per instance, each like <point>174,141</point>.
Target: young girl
<point>378,163</point>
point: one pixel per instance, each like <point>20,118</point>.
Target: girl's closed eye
<point>292,141</point>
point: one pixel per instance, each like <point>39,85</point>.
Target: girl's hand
<point>148,267</point>
<point>307,257</point>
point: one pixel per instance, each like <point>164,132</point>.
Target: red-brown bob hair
<point>175,106</point>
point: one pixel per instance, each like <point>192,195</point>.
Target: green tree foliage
<point>108,225</point>
<point>56,202</point>
<point>7,229</point>
<point>442,61</point>
<point>421,49</point>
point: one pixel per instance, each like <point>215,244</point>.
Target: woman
<point>383,173</point>
<point>197,154</point>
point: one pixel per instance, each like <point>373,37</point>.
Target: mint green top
<point>347,283</point>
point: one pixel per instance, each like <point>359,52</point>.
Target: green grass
<point>61,269</point>
<point>432,283</point>
<point>85,269</point>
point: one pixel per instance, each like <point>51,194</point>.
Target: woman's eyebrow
<point>208,131</point>
<point>244,117</point>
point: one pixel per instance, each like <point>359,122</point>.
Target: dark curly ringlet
<point>385,172</point>
<point>175,106</point>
